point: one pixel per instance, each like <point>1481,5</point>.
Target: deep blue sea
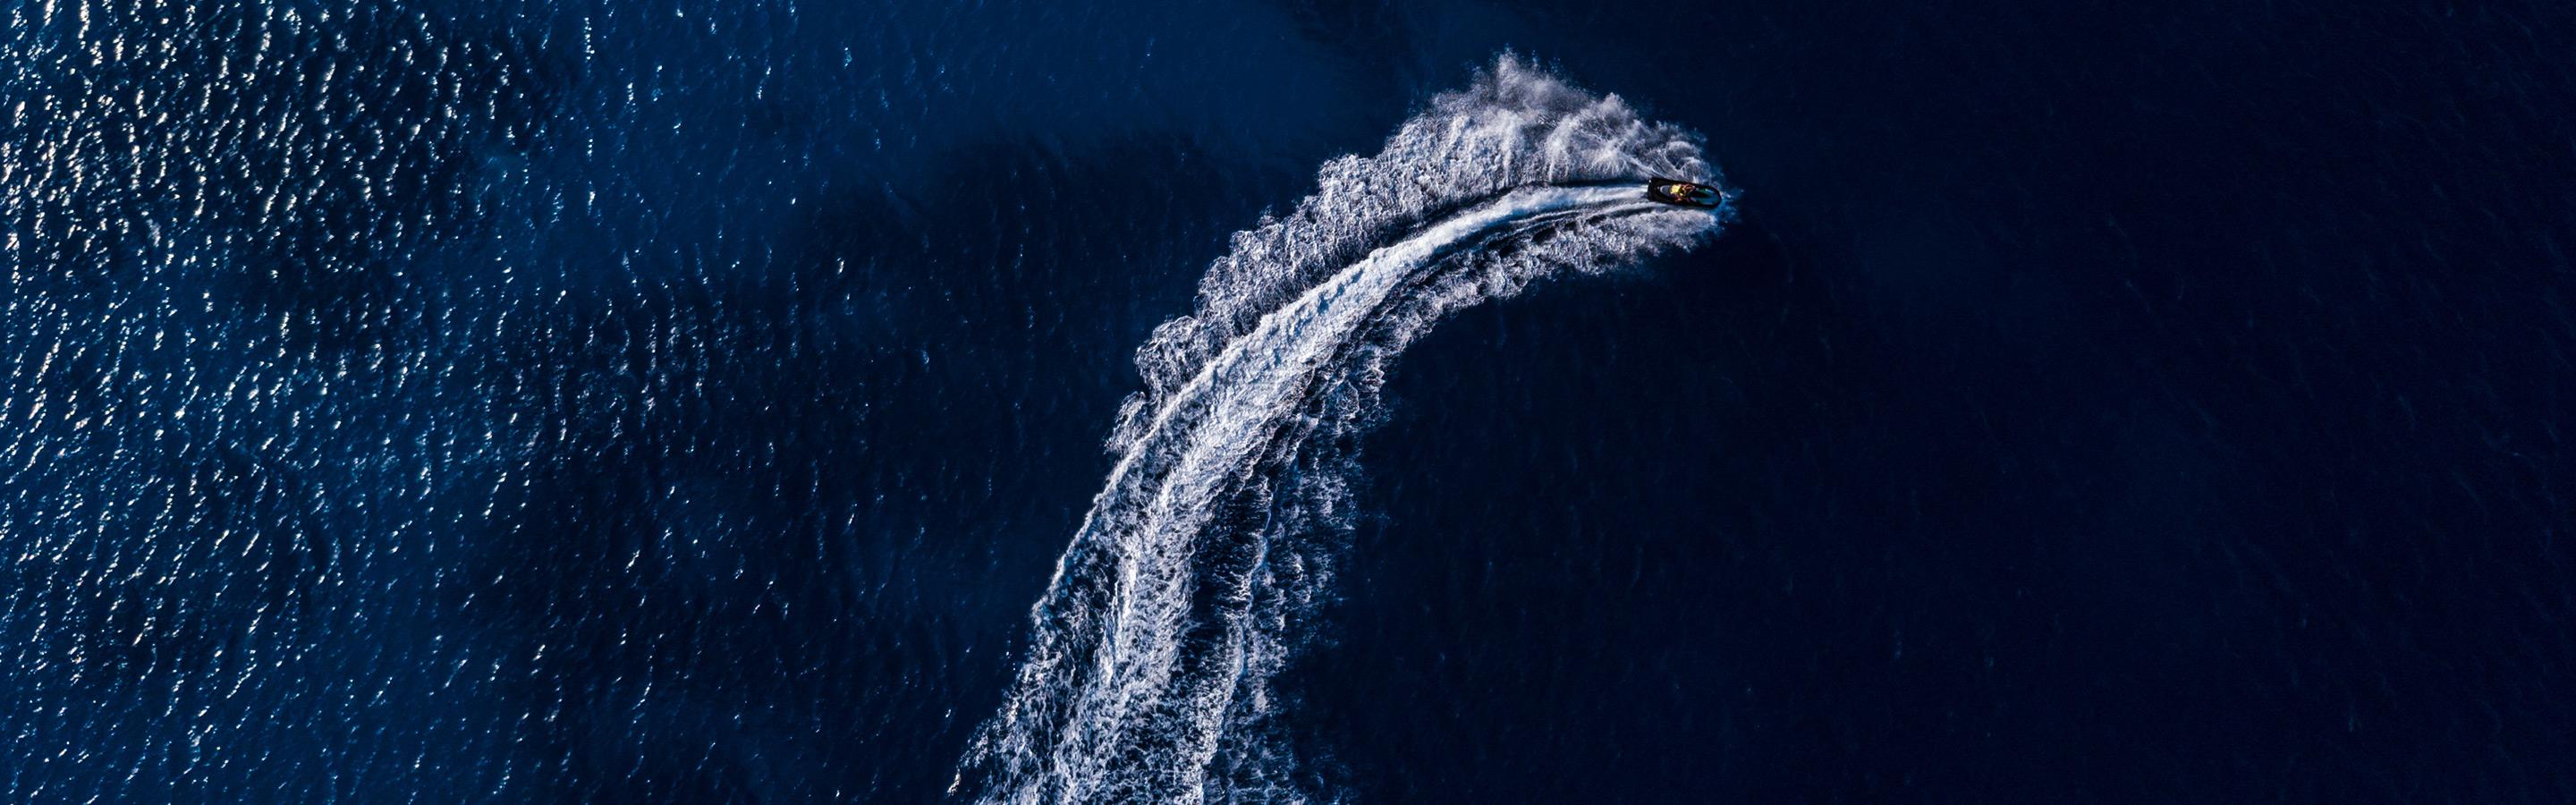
<point>705,401</point>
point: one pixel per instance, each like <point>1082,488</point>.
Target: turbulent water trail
<point>1147,677</point>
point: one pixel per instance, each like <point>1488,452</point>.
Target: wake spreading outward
<point>1147,678</point>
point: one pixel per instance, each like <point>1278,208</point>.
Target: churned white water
<point>1147,675</point>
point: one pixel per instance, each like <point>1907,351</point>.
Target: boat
<point>1684,194</point>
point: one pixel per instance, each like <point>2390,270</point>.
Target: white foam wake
<point>1147,677</point>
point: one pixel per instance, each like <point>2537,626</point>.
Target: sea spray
<point>1190,582</point>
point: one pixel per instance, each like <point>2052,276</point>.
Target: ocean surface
<point>780,401</point>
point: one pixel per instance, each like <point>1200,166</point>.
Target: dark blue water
<point>422,402</point>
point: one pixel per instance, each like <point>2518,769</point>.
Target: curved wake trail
<point>1188,584</point>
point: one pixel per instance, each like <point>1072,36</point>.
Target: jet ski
<point>1684,194</point>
